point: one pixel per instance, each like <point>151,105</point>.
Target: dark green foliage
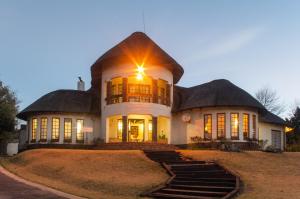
<point>293,137</point>
<point>8,111</point>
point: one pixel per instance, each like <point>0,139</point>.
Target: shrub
<point>196,139</point>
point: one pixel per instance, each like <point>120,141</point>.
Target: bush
<point>272,149</point>
<point>293,148</point>
<point>196,139</point>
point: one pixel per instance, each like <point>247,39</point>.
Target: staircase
<point>192,179</point>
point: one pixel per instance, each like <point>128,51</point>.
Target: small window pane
<point>34,129</point>
<point>79,133</point>
<point>221,125</point>
<point>207,126</point>
<point>254,126</point>
<point>234,125</point>
<point>44,124</point>
<point>55,129</point>
<point>246,125</point>
<point>68,129</point>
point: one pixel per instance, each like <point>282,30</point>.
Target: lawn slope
<point>265,175</point>
<point>92,174</point>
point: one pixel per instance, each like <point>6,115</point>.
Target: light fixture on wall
<point>140,72</point>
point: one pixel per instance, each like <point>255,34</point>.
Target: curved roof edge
<point>216,93</point>
<point>268,117</point>
<point>63,101</point>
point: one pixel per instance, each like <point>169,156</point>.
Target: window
<point>254,126</point>
<point>55,129</point>
<point>207,126</point>
<point>234,125</point>
<point>115,90</point>
<point>145,89</point>
<point>221,127</point>
<point>246,125</point>
<point>150,130</point>
<point>79,132</point>
<point>34,128</point>
<point>68,130</point>
<point>120,129</point>
<point>43,134</point>
<point>162,96</point>
<point>139,93</point>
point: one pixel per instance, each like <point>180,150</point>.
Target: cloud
<point>229,44</point>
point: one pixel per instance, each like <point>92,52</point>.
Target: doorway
<point>136,130</point>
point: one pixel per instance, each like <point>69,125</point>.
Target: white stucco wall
<point>89,121</point>
<point>183,131</point>
<point>265,133</point>
<point>128,108</point>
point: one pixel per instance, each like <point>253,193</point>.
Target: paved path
<point>14,187</point>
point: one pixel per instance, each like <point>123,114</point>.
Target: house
<point>134,98</point>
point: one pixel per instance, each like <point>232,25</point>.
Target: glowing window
<point>34,128</point>
<point>234,123</point>
<point>120,128</point>
<point>79,132</point>
<point>55,129</point>
<point>246,125</point>
<point>254,125</point>
<point>68,129</point>
<point>150,130</point>
<point>221,126</point>
<point>207,126</point>
<point>44,124</point>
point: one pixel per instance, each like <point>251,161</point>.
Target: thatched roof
<point>268,117</point>
<point>213,94</point>
<point>64,101</point>
<point>134,49</point>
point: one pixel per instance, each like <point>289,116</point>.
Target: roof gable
<point>138,48</point>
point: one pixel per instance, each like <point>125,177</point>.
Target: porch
<point>138,128</point>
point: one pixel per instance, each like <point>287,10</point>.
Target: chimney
<point>80,84</point>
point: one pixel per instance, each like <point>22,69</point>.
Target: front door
<point>136,130</point>
<point>276,139</point>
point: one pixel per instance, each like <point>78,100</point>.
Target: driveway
<point>14,187</point>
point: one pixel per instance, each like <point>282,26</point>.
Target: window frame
<point>248,126</point>
<point>224,123</point>
<point>43,130</point>
<point>211,128</point>
<point>68,140</point>
<point>238,126</point>
<point>254,126</point>
<point>79,140</point>
<point>34,130</point>
<point>54,139</point>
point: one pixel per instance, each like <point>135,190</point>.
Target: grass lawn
<point>265,175</point>
<point>126,174</point>
<point>92,174</point>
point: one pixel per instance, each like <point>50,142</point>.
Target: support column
<point>155,91</point>
<point>154,129</point>
<point>124,129</point>
<point>124,91</point>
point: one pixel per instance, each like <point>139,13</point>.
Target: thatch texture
<point>213,94</point>
<point>268,117</point>
<point>139,48</point>
<point>64,101</point>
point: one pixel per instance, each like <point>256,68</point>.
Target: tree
<point>270,100</point>
<point>294,123</point>
<point>8,111</point>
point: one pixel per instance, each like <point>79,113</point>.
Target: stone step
<point>192,192</point>
<point>178,196</point>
